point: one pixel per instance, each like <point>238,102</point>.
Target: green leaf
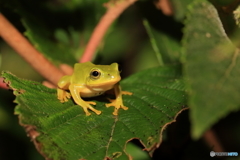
<point>42,25</point>
<point>212,68</point>
<point>166,48</point>
<point>180,8</point>
<point>60,32</point>
<point>136,152</point>
<point>43,40</point>
<point>65,132</point>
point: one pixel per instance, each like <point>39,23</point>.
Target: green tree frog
<point>90,80</point>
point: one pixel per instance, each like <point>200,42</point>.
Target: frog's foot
<point>117,103</point>
<point>88,106</point>
<point>126,93</point>
<point>90,102</point>
<point>63,96</point>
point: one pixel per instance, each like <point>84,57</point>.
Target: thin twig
<point>24,48</point>
<point>114,9</point>
<point>154,43</point>
<point>212,141</point>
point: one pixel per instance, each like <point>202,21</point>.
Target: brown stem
<point>114,9</point>
<point>2,84</point>
<point>66,69</point>
<point>23,47</point>
<point>165,6</point>
<point>211,139</point>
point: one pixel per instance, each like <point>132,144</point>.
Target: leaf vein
<point>158,109</point>
<point>110,139</point>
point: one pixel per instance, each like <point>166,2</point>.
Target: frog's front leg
<point>62,94</point>
<point>118,102</point>
<point>75,92</point>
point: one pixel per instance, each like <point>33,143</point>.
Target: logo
<point>212,154</point>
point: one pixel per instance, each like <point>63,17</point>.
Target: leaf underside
<point>65,132</point>
<point>212,68</point>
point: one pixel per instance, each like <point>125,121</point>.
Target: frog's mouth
<point>106,84</point>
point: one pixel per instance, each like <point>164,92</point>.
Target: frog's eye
<point>95,74</point>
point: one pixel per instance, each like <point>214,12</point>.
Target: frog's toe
<point>68,95</point>
<point>109,105</point>
<point>98,112</point>
<point>112,102</point>
<point>65,99</point>
<point>117,108</point>
<point>124,107</point>
<point>90,102</point>
<point>61,99</point>
<point>117,105</point>
<point>94,110</point>
<point>87,106</point>
<point>88,113</point>
<point>127,93</point>
<point>115,113</point>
